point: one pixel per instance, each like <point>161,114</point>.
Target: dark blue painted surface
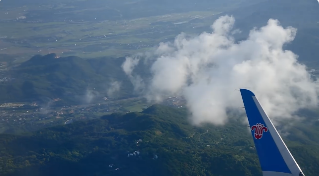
<point>269,156</point>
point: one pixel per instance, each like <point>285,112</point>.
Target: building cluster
<point>177,102</point>
<point>135,153</point>
<point>33,116</point>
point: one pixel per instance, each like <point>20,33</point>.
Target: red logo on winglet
<point>259,130</point>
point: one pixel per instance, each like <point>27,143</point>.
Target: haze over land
<point>79,80</point>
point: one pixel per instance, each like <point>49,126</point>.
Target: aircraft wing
<point>274,156</point>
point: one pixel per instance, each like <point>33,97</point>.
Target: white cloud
<point>209,69</point>
<point>89,96</point>
<point>129,65</point>
<point>114,87</point>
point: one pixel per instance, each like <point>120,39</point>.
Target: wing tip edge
<point>246,92</point>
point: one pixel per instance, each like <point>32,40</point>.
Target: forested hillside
<point>67,78</point>
<point>159,141</point>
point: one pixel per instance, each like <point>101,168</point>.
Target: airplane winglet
<point>274,156</point>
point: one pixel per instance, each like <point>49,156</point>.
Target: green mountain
<point>69,78</point>
<point>159,141</point>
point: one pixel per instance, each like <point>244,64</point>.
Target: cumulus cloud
<point>208,70</point>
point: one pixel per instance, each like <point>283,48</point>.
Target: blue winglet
<point>274,156</point>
